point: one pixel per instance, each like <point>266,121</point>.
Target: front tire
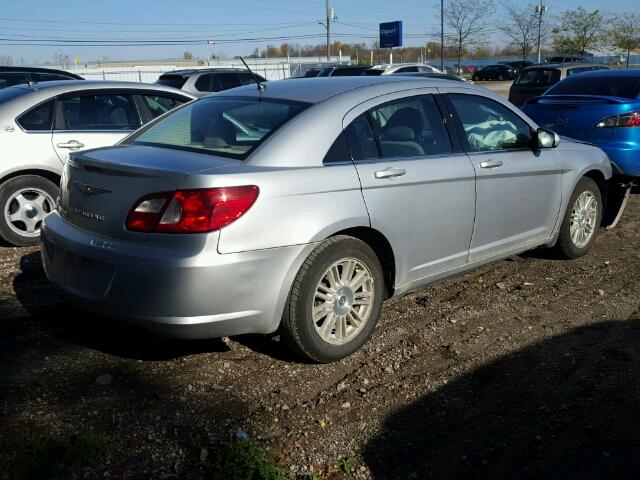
<point>335,300</point>
<point>581,220</point>
<point>24,202</point>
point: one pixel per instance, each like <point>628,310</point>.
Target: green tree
<point>520,26</point>
<point>578,31</point>
<point>467,19</point>
<point>625,33</point>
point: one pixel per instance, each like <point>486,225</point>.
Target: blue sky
<point>228,20</point>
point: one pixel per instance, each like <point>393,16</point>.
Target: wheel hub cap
<point>343,301</point>
<point>25,209</point>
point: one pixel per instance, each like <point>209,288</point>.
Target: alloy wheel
<point>343,301</point>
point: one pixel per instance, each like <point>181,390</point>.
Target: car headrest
<point>406,117</point>
<point>399,134</point>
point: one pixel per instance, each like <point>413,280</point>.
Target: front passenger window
<point>489,125</point>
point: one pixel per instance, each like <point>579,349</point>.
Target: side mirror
<point>547,138</point>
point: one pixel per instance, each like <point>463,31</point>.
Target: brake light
<point>631,119</point>
<point>191,211</point>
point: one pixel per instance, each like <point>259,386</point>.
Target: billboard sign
<point>391,34</point>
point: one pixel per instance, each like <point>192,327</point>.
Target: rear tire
<point>24,201</point>
<point>335,300</point>
<point>581,220</point>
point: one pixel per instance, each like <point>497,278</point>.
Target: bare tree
<point>578,31</point>
<point>625,33</point>
<point>467,20</point>
<point>520,26</point>
<point>187,56</point>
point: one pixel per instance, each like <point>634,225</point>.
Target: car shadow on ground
<point>566,407</point>
<point>69,324</point>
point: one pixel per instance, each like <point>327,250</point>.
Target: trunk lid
<point>99,187</point>
<point>575,116</point>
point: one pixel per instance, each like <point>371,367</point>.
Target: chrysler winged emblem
<point>87,190</point>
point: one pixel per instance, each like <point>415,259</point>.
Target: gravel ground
<point>527,368</point>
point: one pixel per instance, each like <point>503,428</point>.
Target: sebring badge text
<point>91,215</point>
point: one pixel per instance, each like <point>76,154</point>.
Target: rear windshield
<point>373,72</point>
<point>538,77</point>
<point>175,81</point>
<point>226,126</point>
<point>625,87</point>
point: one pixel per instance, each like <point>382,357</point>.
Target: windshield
<point>538,77</point>
<point>373,72</point>
<point>626,87</point>
<point>229,126</point>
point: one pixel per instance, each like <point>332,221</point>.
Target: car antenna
<point>255,77</point>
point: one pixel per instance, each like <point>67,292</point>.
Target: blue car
<point>600,107</point>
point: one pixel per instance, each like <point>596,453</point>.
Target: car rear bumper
<point>182,291</point>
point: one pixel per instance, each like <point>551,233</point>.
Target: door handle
<point>71,145</point>
<point>390,172</point>
<point>491,164</point>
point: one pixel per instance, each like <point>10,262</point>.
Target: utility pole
<point>329,30</point>
<point>442,35</point>
<point>540,9</point>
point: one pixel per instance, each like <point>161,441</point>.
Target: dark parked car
<point>18,75</point>
<point>495,72</point>
<point>518,65</point>
<point>536,80</point>
<point>312,73</point>
<point>566,59</point>
<point>203,81</point>
<point>343,71</point>
<point>442,76</point>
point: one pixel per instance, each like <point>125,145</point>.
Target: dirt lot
<point>528,368</point>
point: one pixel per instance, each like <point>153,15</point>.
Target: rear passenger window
<point>99,112</point>
<point>9,79</point>
<point>203,83</point>
<point>489,125</point>
<point>360,138</point>
<point>228,80</point>
<point>158,105</point>
<point>48,77</point>
<point>407,70</point>
<point>39,118</point>
<point>246,78</point>
<point>411,127</point>
<point>339,151</point>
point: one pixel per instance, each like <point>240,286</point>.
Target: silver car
<point>386,69</point>
<point>40,124</point>
<point>334,195</point>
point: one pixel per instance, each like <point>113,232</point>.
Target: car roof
<point>39,92</point>
<point>193,71</point>
<point>52,71</point>
<point>613,72</point>
<point>314,90</point>
<point>565,65</point>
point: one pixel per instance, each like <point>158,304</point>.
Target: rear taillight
<point>631,119</point>
<point>191,211</point>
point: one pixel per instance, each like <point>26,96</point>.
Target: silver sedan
<point>300,207</point>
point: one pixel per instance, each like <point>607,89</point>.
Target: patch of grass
<point>45,457</point>
<point>242,459</point>
<point>348,465</point>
